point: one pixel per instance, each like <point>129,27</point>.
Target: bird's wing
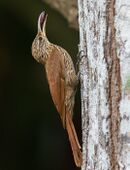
<point>56,82</point>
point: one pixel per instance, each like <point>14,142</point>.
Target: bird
<point>62,80</point>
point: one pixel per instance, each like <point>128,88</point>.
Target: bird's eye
<point>40,38</point>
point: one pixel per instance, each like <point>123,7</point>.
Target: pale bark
<point>122,24</point>
<point>105,83</point>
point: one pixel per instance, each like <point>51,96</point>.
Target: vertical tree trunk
<point>105,83</point>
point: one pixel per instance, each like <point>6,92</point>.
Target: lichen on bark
<point>105,84</point>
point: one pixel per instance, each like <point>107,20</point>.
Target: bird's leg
<point>81,54</point>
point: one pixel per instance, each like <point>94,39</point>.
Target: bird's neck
<point>46,50</point>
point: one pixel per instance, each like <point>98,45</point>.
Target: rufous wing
<point>54,71</point>
<point>56,83</point>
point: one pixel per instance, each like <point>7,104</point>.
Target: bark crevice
<point>114,83</point>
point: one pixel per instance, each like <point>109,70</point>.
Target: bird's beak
<point>42,22</point>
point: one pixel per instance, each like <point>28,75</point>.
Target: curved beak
<point>42,22</point>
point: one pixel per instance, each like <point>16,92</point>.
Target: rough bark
<point>122,24</point>
<point>68,8</point>
<point>105,83</point>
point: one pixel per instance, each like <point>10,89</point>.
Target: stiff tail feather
<point>73,140</point>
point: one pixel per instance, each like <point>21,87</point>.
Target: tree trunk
<point>105,83</point>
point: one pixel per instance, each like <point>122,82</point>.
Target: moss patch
<point>127,86</point>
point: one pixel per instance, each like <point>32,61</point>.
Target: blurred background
<point>31,133</point>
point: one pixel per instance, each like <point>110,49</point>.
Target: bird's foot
<point>81,54</point>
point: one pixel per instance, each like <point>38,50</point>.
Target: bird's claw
<point>81,54</point>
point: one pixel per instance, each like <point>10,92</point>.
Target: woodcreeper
<point>62,80</point>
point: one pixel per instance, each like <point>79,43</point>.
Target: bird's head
<point>40,42</point>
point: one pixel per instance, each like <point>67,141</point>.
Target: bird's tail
<point>73,140</point>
